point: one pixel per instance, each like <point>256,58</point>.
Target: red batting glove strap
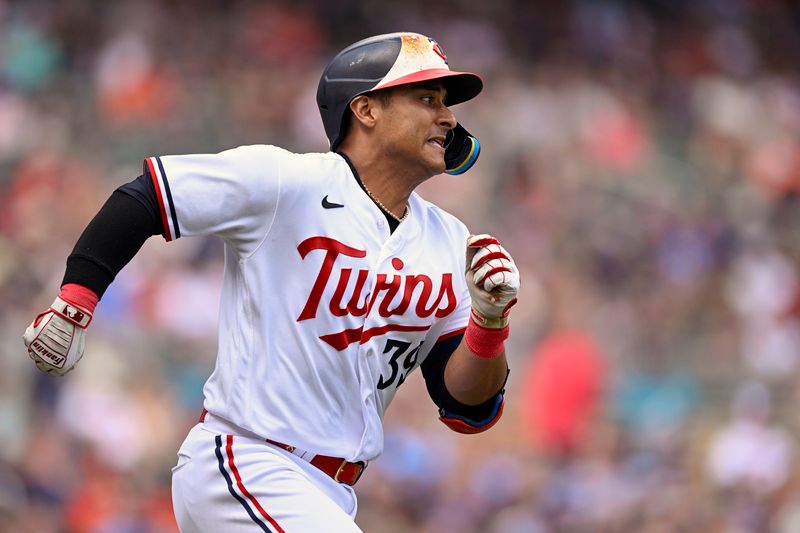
<point>486,343</point>
<point>79,295</point>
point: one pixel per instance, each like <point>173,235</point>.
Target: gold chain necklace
<point>380,204</point>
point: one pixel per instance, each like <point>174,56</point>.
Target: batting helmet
<point>388,61</point>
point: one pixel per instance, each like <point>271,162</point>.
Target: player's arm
<point>468,383</point>
<point>55,339</point>
<point>458,416</point>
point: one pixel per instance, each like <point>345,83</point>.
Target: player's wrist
<point>488,321</point>
<point>486,342</point>
<point>75,303</point>
<point>79,296</point>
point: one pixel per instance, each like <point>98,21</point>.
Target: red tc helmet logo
<point>438,49</point>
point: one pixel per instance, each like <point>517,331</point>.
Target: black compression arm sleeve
<point>111,240</point>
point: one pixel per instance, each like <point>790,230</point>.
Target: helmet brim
<point>460,86</point>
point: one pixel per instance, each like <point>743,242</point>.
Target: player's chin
<point>435,168</point>
<point>435,161</point>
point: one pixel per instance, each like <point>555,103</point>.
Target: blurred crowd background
<point>641,162</point>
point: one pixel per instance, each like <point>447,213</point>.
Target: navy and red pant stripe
<point>251,505</point>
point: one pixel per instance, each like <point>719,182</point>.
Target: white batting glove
<point>56,337</point>
<point>492,279</point>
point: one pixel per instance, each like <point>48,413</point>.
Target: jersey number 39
<point>398,349</point>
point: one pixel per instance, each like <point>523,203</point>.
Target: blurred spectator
<point>655,403</point>
<point>762,288</point>
<point>749,452</point>
<point>563,388</point>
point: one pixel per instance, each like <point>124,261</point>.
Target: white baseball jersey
<point>324,312</point>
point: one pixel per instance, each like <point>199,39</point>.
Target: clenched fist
<point>56,337</point>
<point>492,279</point>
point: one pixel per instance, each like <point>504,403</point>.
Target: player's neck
<point>386,183</point>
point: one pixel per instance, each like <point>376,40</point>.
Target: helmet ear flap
<point>461,150</point>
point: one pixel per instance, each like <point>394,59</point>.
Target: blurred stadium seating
<point>641,161</point>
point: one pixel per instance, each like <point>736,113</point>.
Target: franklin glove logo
<point>48,355</point>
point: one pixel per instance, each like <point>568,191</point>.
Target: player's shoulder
<point>249,152</point>
<point>316,164</point>
<point>303,166</point>
<point>271,150</point>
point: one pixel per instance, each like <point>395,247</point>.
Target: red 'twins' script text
<point>356,303</point>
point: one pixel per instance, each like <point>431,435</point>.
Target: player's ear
<point>364,110</point>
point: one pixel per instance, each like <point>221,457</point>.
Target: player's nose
<point>447,118</point>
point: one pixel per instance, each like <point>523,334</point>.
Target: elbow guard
<point>462,424</point>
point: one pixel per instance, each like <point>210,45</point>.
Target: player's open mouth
<point>437,141</point>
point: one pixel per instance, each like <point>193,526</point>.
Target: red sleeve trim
<point>159,196</point>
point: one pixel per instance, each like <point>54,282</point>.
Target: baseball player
<point>339,282</point>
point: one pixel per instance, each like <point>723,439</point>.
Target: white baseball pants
<point>232,483</point>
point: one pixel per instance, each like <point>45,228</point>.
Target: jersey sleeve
<point>456,322</point>
<point>232,194</point>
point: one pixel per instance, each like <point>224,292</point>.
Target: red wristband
<point>486,343</point>
<point>79,295</point>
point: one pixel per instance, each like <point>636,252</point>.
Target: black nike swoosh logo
<point>329,205</point>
